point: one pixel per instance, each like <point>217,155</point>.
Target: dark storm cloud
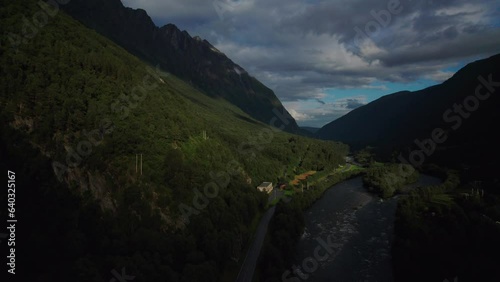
<point>302,48</point>
<point>321,102</point>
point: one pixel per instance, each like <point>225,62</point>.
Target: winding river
<point>348,235</point>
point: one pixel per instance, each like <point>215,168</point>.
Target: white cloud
<point>300,48</point>
<point>299,117</point>
<point>440,76</point>
<point>312,113</point>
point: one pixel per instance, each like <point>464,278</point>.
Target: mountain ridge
<point>193,59</point>
<point>393,123</point>
<point>74,97</point>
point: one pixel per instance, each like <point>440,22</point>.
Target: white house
<point>266,187</point>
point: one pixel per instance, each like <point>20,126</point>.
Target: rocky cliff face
<point>190,58</point>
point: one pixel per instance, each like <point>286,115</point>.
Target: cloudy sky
<point>325,58</point>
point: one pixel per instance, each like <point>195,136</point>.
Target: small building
<point>266,187</point>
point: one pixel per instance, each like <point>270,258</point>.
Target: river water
<point>348,236</point>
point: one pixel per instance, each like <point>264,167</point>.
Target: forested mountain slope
<point>191,59</point>
<point>76,110</point>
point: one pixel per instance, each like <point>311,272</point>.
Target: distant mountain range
<point>465,107</point>
<point>309,129</point>
<point>194,60</point>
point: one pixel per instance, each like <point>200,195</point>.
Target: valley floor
<point>358,226</point>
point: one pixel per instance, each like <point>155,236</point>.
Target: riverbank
<point>358,225</point>
<point>448,231</point>
<point>288,224</point>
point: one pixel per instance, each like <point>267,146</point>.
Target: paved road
<point>347,167</point>
<point>277,193</point>
<point>248,267</point>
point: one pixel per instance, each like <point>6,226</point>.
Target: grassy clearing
<point>445,200</point>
